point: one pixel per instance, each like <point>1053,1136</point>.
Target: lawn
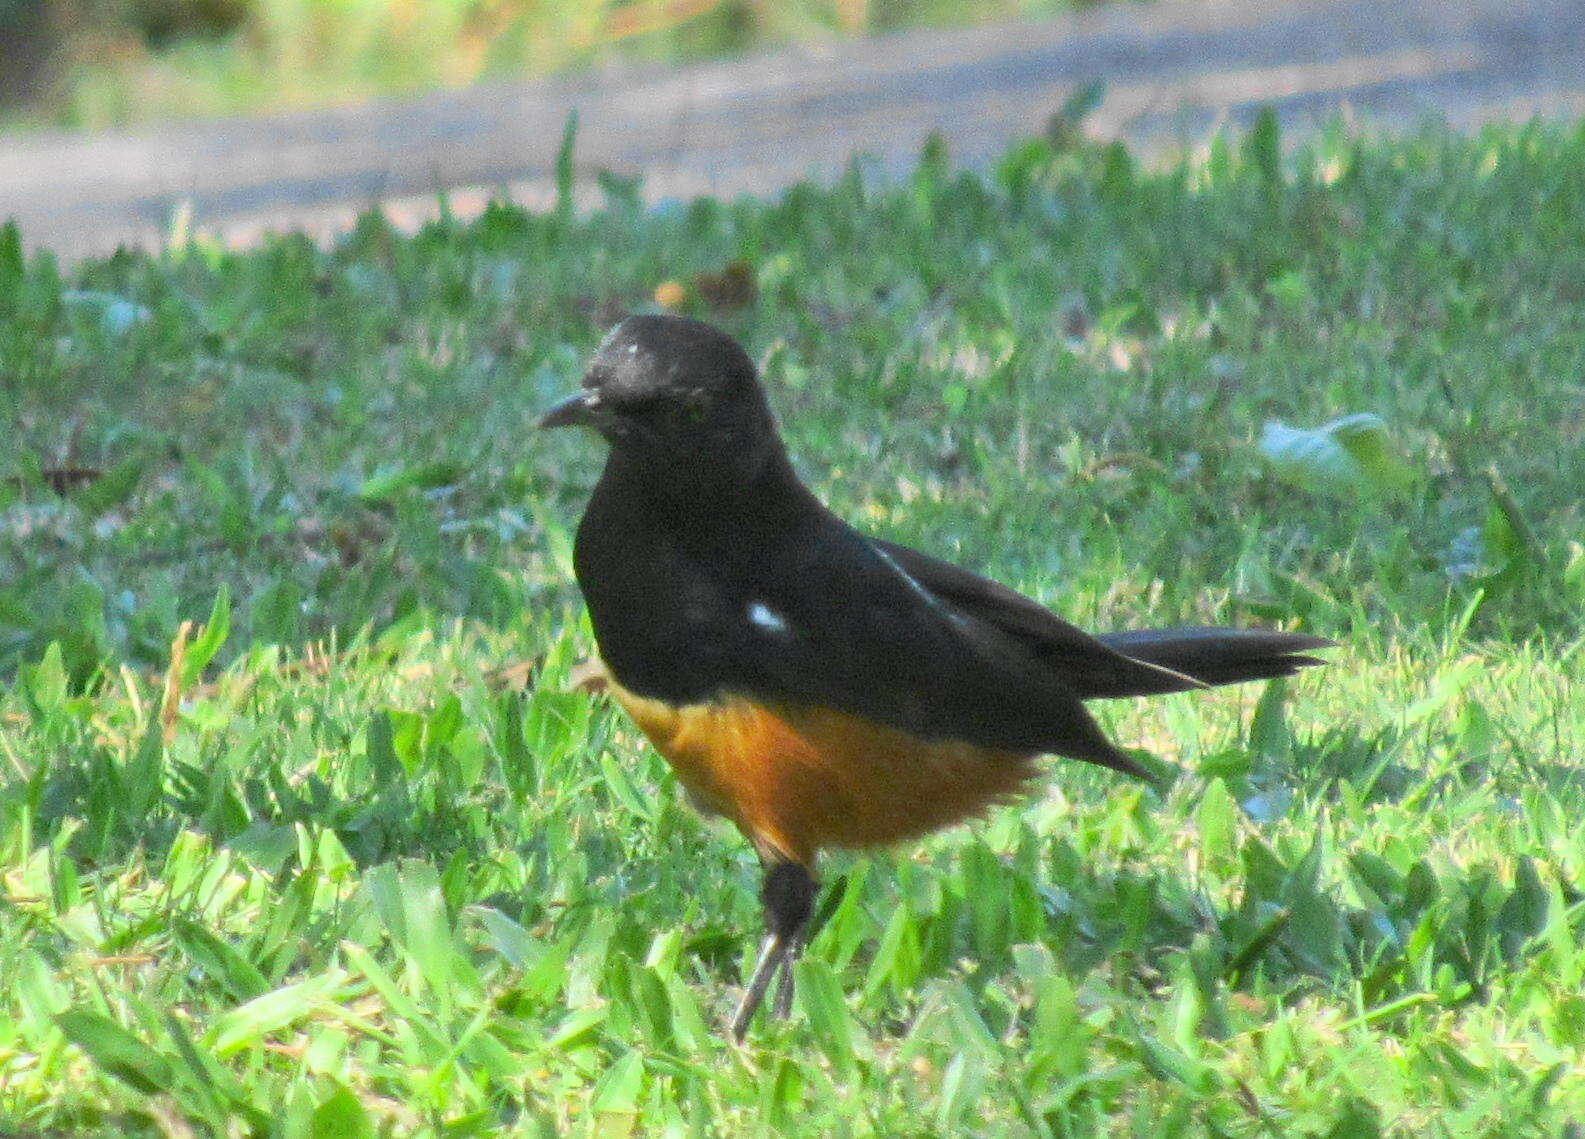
<point>304,832</point>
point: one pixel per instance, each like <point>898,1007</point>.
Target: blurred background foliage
<point>102,63</point>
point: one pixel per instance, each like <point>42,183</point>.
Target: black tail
<point>1207,655</point>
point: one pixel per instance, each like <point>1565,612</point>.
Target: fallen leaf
<point>1343,458</point>
<point>515,676</point>
<point>671,294</point>
<point>589,676</point>
<point>732,287</point>
<point>61,480</point>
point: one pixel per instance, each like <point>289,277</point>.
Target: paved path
<point>1174,71</point>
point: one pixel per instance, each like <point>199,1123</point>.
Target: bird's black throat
<point>669,558</point>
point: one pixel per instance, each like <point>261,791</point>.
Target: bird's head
<point>674,396</point>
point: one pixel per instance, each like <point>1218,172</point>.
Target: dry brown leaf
<point>589,676</point>
<point>671,295</point>
<point>732,287</point>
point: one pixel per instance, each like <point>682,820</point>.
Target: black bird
<point>819,687</point>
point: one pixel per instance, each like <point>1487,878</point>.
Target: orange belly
<point>797,779</point>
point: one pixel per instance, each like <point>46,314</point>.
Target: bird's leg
<point>770,957</point>
<point>784,991</point>
<point>788,896</point>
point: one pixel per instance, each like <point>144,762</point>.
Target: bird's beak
<point>577,410</point>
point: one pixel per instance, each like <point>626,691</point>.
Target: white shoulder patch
<point>766,618</point>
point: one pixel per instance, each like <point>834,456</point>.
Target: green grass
<point>315,865</point>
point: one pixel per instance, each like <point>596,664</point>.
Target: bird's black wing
<point>1083,662</point>
<point>1141,662</point>
<point>834,619</point>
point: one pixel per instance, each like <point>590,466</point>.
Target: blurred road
<point>1174,71</point>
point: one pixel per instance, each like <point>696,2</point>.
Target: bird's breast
<point>796,779</point>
